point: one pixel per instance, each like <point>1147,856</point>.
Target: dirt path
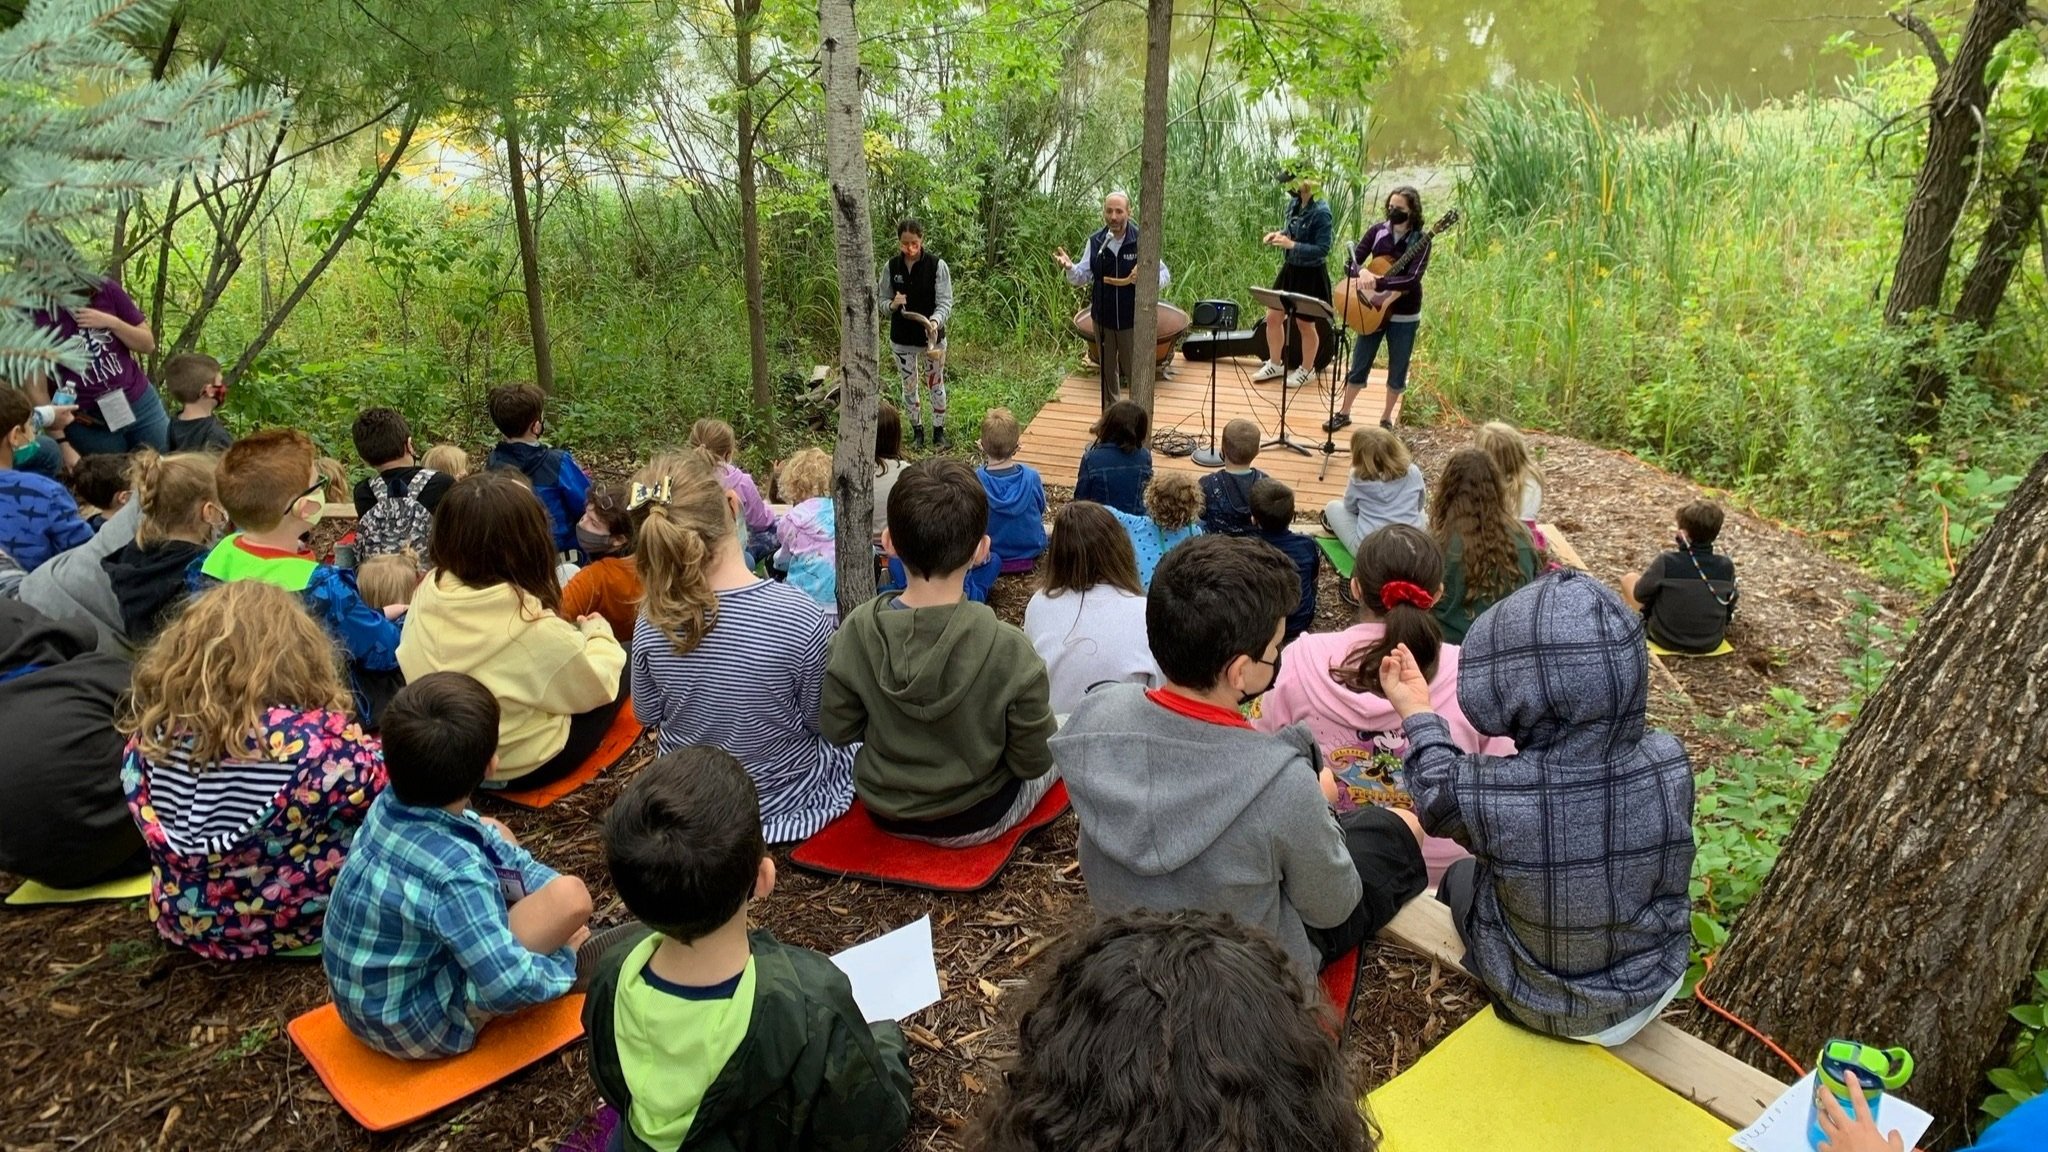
<point>111,1041</point>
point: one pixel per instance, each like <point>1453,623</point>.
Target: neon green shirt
<point>673,1041</point>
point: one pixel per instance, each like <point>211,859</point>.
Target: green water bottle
<point>1877,1071</point>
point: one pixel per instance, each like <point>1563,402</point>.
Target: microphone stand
<point>1209,457</point>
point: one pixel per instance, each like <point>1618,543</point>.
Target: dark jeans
<point>152,428</point>
<point>1400,340</point>
<point>1389,864</point>
<point>586,732</point>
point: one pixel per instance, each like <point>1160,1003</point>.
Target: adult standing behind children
<point>1487,552</point>
<point>1184,805</point>
<point>706,1035</point>
<point>949,704</point>
<point>518,411</point>
<point>1687,596</point>
<point>1575,907</point>
<point>118,411</point>
<point>245,772</point>
<point>724,657</point>
<point>1087,619</point>
<point>1118,465</point>
<point>1108,267</point>
<point>916,291</point>
<point>488,609</point>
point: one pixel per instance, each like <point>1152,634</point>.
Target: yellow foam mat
<point>1661,650</point>
<point>1490,1085</point>
<point>30,892</point>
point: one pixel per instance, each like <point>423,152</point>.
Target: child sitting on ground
<point>705,1034</point>
<point>396,506</point>
<point>38,518</point>
<point>1227,492</point>
<point>245,772</point>
<point>1385,488</point>
<point>1183,805</point>
<point>1687,596</point>
<point>439,919</point>
<point>1087,619</point>
<point>888,460</point>
<point>517,410</point>
<point>609,584</point>
<point>447,459</point>
<point>181,520</point>
<point>1517,466</point>
<point>1273,514</point>
<point>272,490</point>
<point>1118,465</point>
<point>1487,552</point>
<point>806,536</point>
<point>1016,495</point>
<point>1173,514</point>
<point>195,382</point>
<point>948,701</point>
<point>100,485</point>
<point>1155,1032</point>
<point>388,580</point>
<point>717,437</point>
<point>1575,908</point>
<point>1330,681</point>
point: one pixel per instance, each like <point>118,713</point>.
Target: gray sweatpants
<point>1118,349</point>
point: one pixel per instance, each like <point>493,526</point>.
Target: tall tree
<point>853,235</point>
<point>1908,906</point>
<point>529,256</point>
<point>1152,193</point>
<point>745,15</point>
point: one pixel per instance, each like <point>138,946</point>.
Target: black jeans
<point>586,732</point>
<point>1390,868</point>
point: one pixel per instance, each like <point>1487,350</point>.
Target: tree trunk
<point>2013,222</point>
<point>529,260</point>
<point>853,234</point>
<point>1954,122</point>
<point>1908,907</point>
<point>1151,194</point>
<point>745,13</point>
<point>327,255</point>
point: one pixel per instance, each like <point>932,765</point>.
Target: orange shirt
<point>609,587</point>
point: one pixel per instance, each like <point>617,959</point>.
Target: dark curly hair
<point>1172,1032</point>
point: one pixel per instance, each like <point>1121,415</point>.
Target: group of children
<point>301,747</point>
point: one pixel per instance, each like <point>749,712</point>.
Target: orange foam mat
<point>625,731</point>
<point>383,1093</point>
<point>855,846</point>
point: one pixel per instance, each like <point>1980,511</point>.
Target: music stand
<point>1296,307</point>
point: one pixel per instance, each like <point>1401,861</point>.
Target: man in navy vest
<point>1111,263</point>
<point>919,290</point>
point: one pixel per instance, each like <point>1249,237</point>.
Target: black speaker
<point>1215,314</point>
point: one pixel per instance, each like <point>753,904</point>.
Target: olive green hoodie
<point>949,702</point>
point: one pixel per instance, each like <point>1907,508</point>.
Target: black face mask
<point>1274,664</point>
<point>1397,215</point>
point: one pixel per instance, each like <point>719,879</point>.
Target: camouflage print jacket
<point>811,1073</point>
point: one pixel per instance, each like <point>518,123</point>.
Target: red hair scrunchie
<point>1402,592</point>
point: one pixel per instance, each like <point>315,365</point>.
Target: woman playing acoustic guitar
<point>1391,238</point>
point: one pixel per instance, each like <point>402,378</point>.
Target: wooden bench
<point>1689,1066</point>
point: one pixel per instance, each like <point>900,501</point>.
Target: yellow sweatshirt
<point>542,668</point>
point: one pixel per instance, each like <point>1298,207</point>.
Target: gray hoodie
<point>1180,813</point>
<point>1378,503</point>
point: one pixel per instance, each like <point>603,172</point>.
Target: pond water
<point>1631,56</point>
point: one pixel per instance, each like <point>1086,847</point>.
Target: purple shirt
<point>752,507</point>
<point>1380,240</point>
<point>112,365</point>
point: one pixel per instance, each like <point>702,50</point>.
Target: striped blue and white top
<point>751,688</point>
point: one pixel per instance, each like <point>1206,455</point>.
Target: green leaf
<point>1997,1106</point>
<point>2010,1082</point>
<point>2028,1014</point>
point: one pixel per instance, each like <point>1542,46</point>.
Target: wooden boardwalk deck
<point>1058,436</point>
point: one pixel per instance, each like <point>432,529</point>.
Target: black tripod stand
<point>1295,307</point>
<point>1217,316</point>
<point>1340,365</point>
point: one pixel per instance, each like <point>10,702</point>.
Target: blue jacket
<point>38,518</point>
<point>981,578</point>
<point>1308,558</point>
<point>1312,229</point>
<point>1016,511</point>
<point>561,485</point>
<point>1114,477</point>
<point>1227,501</point>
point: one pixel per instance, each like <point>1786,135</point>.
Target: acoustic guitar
<point>1364,310</point>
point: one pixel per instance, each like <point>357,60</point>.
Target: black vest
<point>920,288</point>
<point>1112,306</point>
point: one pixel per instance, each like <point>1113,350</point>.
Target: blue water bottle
<point>1877,1071</point>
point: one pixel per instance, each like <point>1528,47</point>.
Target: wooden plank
<point>1687,1065</point>
<point>1562,548</point>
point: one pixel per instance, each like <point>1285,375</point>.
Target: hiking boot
<point>1268,371</point>
<point>939,438</point>
<point>1299,376</point>
<point>1337,423</point>
<point>917,438</point>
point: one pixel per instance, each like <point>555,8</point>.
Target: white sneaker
<point>1268,371</point>
<point>1298,377</point>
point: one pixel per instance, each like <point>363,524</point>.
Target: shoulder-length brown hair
<point>1088,548</point>
<point>490,529</point>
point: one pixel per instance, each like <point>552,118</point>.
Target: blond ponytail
<point>682,521</point>
<point>172,493</point>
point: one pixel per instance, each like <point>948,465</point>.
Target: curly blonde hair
<point>172,492</point>
<point>1174,500</point>
<point>806,475</point>
<point>1471,507</point>
<point>235,651</point>
<point>676,541</point>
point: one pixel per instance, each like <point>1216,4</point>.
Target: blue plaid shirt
<point>418,947</point>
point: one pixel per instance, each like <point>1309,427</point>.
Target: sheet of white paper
<point>893,975</point>
<point>115,412</point>
<point>1782,1127</point>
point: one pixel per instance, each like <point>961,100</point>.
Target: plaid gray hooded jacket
<point>1580,917</point>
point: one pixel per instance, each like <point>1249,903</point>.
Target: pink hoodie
<point>1359,732</point>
